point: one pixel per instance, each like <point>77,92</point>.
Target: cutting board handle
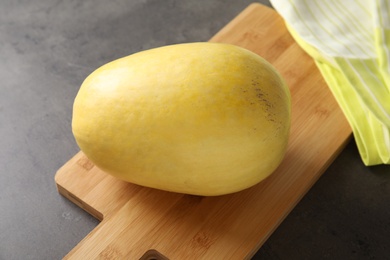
<point>153,255</point>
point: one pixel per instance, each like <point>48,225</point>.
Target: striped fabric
<point>350,43</point>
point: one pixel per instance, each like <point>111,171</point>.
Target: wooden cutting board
<point>139,222</point>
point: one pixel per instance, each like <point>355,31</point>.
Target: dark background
<point>47,48</point>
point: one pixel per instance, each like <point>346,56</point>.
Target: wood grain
<point>136,219</point>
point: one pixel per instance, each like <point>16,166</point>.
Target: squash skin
<point>197,118</point>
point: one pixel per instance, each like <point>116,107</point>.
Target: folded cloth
<point>350,42</point>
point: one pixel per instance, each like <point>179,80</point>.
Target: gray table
<point>47,48</point>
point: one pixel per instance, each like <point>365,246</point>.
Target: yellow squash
<point>197,118</point>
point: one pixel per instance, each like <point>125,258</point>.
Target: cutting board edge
<point>302,195</point>
<point>73,198</point>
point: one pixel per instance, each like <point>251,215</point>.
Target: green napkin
<point>350,43</point>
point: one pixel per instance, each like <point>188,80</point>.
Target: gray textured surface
<point>48,47</point>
